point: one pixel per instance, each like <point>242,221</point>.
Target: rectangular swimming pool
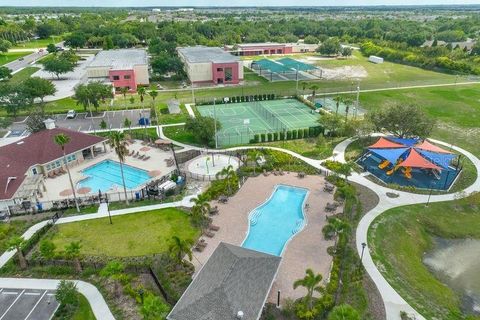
<point>277,220</point>
<point>106,176</point>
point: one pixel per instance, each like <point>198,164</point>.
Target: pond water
<point>457,264</point>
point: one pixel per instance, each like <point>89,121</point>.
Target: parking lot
<point>27,304</point>
<point>83,121</point>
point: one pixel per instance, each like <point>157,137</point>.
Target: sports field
<point>241,121</point>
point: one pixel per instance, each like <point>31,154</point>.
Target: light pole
<point>429,195</point>
<point>193,93</point>
<point>363,249</point>
<point>215,122</point>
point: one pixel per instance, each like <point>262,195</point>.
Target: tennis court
<point>284,70</point>
<point>241,121</point>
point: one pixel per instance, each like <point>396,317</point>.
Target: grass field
<point>400,237</point>
<point>10,56</point>
<point>84,311</point>
<point>39,43</point>
<point>9,230</point>
<point>135,234</point>
<point>23,74</point>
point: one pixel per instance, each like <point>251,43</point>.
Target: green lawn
<point>10,56</point>
<point>23,75</point>
<point>11,229</point>
<point>39,43</point>
<point>84,311</point>
<point>178,133</point>
<point>399,238</point>
<point>130,235</point>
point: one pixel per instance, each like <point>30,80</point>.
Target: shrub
<point>300,134</point>
<point>281,135</point>
<point>269,137</point>
<point>294,134</point>
<point>154,308</point>
<point>289,135</point>
<point>275,136</point>
<point>306,133</point>
<point>262,136</point>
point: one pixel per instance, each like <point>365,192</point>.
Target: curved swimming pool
<point>277,220</point>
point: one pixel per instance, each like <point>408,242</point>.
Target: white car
<point>71,114</point>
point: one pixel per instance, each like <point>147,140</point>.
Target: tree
<point>5,45</point>
<point>253,156</point>
<point>311,282</point>
<point>35,120</point>
<point>228,174</point>
<point>127,123</point>
<point>37,87</point>
<point>113,270</point>
<point>310,39</point>
<point>61,140</point>
<point>333,227</point>
<point>5,73</point>
<point>67,294</point>
<point>153,94</point>
<point>58,65</point>
<point>103,124</point>
<point>16,243</point>
<point>153,308</point>
<point>47,249</point>
<point>72,252</point>
<point>343,312</point>
<point>108,43</point>
<point>331,123</point>
<point>314,88</point>
<point>124,91</point>
<point>13,99</point>
<point>304,85</point>
<point>118,142</point>
<point>330,47</point>
<point>338,100</point>
<point>347,51</point>
<point>51,48</point>
<point>92,93</point>
<point>200,210</point>
<point>75,40</point>
<point>403,120</point>
<point>178,248</point>
<point>203,129</point>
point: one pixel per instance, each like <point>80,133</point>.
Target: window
<point>116,77</point>
<point>228,74</point>
<point>126,77</point>
<point>219,69</point>
<point>34,171</point>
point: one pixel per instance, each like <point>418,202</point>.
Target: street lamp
<point>363,249</point>
<point>108,209</point>
<point>429,194</point>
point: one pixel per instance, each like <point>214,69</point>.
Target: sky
<point>163,3</point>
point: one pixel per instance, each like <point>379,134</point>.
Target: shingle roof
<point>200,54</point>
<point>233,279</point>
<point>38,148</point>
<point>120,59</point>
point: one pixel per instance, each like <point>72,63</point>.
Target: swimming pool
<point>106,175</point>
<point>277,220</point>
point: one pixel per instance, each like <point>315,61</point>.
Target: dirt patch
<point>122,301</point>
<point>344,73</point>
<point>367,197</point>
<point>376,308</point>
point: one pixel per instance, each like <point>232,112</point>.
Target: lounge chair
<point>328,188</point>
<point>223,199</point>
<point>146,158</point>
<point>265,172</point>
<point>330,207</point>
<point>209,234</point>
<point>214,227</point>
<point>199,247</point>
<point>131,153</point>
<point>301,175</point>
<point>136,154</point>
<point>141,157</point>
<point>280,172</point>
<point>214,210</point>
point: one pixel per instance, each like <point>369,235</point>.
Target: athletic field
<point>241,121</point>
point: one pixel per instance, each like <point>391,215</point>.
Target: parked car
<point>71,114</point>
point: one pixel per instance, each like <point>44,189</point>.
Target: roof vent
<point>240,315</point>
<point>49,124</point>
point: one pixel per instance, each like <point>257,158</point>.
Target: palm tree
<point>141,92</point>
<point>201,204</point>
<point>314,89</point>
<point>343,312</point>
<point>62,139</point>
<point>334,227</point>
<point>311,282</point>
<point>304,86</point>
<point>127,123</point>
<point>348,102</point>
<point>72,251</point>
<point>16,243</point>
<point>253,156</point>
<point>118,142</point>
<point>153,94</point>
<point>124,91</point>
<point>228,173</point>
<point>337,100</point>
<point>178,248</point>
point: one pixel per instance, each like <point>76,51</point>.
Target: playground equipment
<point>384,164</point>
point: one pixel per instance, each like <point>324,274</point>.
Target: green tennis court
<point>241,121</point>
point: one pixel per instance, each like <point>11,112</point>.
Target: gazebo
<point>410,162</point>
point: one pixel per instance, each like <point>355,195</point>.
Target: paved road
<point>27,304</point>
<point>27,60</point>
<point>83,121</point>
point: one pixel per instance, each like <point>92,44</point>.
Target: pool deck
<point>156,163</point>
<point>308,249</point>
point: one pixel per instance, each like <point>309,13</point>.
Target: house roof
<point>120,59</point>
<point>38,148</point>
<point>199,54</point>
<point>233,279</point>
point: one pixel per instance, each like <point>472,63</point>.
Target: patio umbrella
<point>144,149</point>
<point>66,192</point>
<point>154,173</point>
<point>84,190</point>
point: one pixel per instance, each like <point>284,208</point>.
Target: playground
<point>241,121</point>
<point>411,163</point>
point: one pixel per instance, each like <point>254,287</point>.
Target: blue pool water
<point>276,221</point>
<point>106,174</point>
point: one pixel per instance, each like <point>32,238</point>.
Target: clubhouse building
<point>26,163</point>
<point>211,65</point>
<point>269,48</point>
<point>123,68</point>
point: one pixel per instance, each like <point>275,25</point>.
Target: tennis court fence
<point>269,117</point>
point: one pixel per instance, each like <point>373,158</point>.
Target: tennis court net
<point>268,116</point>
